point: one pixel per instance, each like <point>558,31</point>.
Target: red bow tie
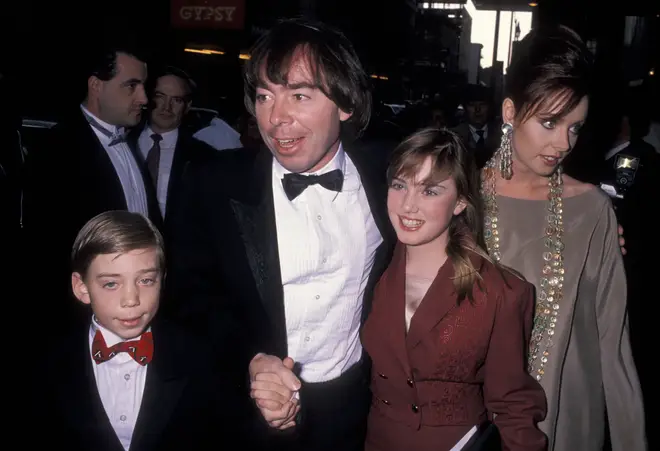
<point>141,350</point>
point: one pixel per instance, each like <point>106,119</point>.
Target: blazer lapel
<point>394,289</point>
<point>438,301</point>
<point>163,388</point>
<point>255,217</point>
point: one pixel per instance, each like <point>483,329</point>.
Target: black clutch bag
<point>487,438</point>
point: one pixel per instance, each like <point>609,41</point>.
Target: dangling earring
<point>505,152</point>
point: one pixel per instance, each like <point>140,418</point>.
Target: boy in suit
<point>125,381</point>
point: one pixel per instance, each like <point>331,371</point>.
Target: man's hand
<point>274,388</point>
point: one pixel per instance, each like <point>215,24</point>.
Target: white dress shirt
<point>167,148</point>
<point>125,165</point>
<point>120,382</point>
<point>327,242</point>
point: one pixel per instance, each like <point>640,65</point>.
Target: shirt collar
<point>169,138</point>
<point>113,129</point>
<point>474,129</point>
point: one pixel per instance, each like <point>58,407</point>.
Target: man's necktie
<point>294,184</point>
<point>481,143</point>
<point>141,350</point>
<point>153,159</point>
<point>115,138</point>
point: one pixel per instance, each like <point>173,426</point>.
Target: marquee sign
<point>200,14</point>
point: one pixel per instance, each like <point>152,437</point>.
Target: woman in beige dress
<point>561,234</point>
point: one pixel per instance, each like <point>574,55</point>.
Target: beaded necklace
<point>550,292</point>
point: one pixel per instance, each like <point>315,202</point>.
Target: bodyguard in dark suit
<point>122,380</point>
<point>278,250</point>
<point>86,167</point>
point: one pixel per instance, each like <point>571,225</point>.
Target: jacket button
<point>410,382</point>
<point>414,408</point>
<point>386,402</point>
<point>382,375</point>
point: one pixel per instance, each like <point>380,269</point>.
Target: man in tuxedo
<point>86,167</point>
<point>278,249</point>
<point>164,145</point>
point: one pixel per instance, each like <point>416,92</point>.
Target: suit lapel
<point>255,216</point>
<point>438,301</point>
<point>101,168</point>
<point>97,164</point>
<point>79,393</point>
<point>178,164</point>
<point>374,182</point>
<point>163,388</point>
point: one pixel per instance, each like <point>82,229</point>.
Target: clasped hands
<point>274,388</point>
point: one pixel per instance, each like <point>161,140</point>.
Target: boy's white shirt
<point>120,382</point>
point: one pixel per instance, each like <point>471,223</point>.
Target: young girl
<point>448,332</point>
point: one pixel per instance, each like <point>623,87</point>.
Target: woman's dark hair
<point>551,66</point>
<point>330,56</point>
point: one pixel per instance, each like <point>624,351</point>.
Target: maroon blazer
<point>456,367</point>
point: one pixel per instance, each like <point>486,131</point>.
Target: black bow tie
<point>294,184</point>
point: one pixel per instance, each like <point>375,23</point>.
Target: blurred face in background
<point>171,102</point>
<point>438,119</point>
<point>477,112</point>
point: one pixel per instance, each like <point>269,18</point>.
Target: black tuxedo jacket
<point>224,258</point>
<point>224,255</point>
<point>188,403</point>
<point>70,179</point>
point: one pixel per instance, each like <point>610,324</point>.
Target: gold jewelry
<point>550,291</point>
<point>505,152</point>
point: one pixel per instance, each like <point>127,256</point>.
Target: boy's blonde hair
<point>114,232</point>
